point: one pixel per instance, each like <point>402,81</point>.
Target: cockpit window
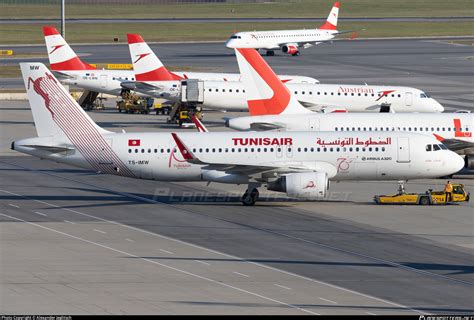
<point>435,147</point>
<point>424,95</point>
<point>236,37</point>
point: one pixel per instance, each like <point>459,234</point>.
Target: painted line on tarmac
<point>163,265</point>
<point>191,244</point>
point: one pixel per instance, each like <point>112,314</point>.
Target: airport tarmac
<point>438,67</point>
<point>72,241</point>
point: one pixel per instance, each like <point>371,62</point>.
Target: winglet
<point>60,54</point>
<point>146,64</point>
<point>331,22</point>
<point>200,127</point>
<point>187,154</point>
<point>266,94</point>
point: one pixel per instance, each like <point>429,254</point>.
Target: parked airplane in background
<point>453,129</point>
<point>297,163</point>
<point>154,79</point>
<point>71,70</point>
<point>140,52</point>
<point>289,41</point>
<point>232,96</point>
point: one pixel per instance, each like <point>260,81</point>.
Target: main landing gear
<point>250,196</point>
<point>270,53</point>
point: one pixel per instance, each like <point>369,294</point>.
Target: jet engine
<point>307,185</point>
<point>469,162</point>
<point>291,48</point>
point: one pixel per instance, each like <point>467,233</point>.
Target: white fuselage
<point>272,40</point>
<point>342,155</point>
<point>446,125</point>
<point>354,98</point>
<point>108,81</point>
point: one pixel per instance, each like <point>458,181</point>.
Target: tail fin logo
<point>141,56</point>
<point>459,133</point>
<point>40,91</point>
<point>281,95</point>
<point>310,185</point>
<point>57,47</point>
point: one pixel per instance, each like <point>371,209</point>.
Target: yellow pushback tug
<point>430,197</point>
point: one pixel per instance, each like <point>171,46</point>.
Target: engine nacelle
<point>222,177</point>
<point>313,185</point>
<point>469,162</point>
<point>291,48</point>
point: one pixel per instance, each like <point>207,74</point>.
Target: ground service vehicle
<point>430,197</point>
<point>132,103</point>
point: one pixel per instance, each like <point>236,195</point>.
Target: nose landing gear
<point>250,196</point>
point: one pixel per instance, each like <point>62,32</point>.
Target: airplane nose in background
<point>438,106</point>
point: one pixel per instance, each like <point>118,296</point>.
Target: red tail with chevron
<point>61,56</point>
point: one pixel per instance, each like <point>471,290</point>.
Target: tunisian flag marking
<point>133,142</point>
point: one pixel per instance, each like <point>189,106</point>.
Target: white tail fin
<point>146,64</point>
<point>331,22</point>
<point>55,112</point>
<point>266,94</point>
<point>57,115</point>
<point>61,56</point>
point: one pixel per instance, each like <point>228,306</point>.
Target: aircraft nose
<point>229,43</point>
<point>438,106</point>
<point>457,162</point>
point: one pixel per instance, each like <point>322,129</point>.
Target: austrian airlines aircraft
<point>296,163</point>
<point>71,70</point>
<point>152,78</point>
<point>453,129</point>
<point>289,41</point>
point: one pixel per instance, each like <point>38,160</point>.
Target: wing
<point>457,144</point>
<point>267,126</point>
<point>142,87</point>
<point>52,149</point>
<point>61,75</point>
<point>261,172</point>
